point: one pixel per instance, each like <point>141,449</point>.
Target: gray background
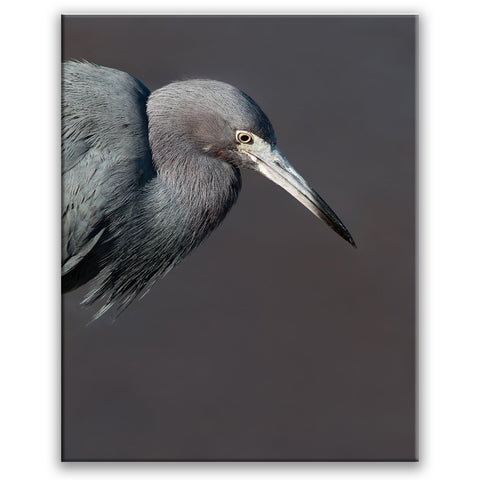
<point>275,339</point>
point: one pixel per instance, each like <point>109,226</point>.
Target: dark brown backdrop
<point>275,339</point>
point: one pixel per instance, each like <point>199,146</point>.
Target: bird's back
<point>105,160</point>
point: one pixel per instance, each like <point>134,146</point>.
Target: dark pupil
<point>244,138</point>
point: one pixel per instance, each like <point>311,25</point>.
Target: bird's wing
<point>84,213</point>
<point>105,152</point>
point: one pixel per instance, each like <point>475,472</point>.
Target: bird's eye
<point>244,137</point>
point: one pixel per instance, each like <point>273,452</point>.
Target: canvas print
<point>238,238</point>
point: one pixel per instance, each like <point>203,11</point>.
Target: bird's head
<point>216,119</point>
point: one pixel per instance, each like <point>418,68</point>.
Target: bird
<point>147,176</point>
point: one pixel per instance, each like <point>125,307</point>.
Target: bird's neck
<point>200,188</point>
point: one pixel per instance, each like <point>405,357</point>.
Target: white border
<point>449,254</point>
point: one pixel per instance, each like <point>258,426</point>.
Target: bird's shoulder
<point>102,108</point>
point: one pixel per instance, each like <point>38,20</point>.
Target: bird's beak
<point>271,163</point>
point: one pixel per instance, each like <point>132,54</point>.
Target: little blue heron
<point>147,176</point>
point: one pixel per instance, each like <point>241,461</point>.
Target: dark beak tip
<point>341,230</point>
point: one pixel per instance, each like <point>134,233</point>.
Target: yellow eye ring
<point>244,137</point>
